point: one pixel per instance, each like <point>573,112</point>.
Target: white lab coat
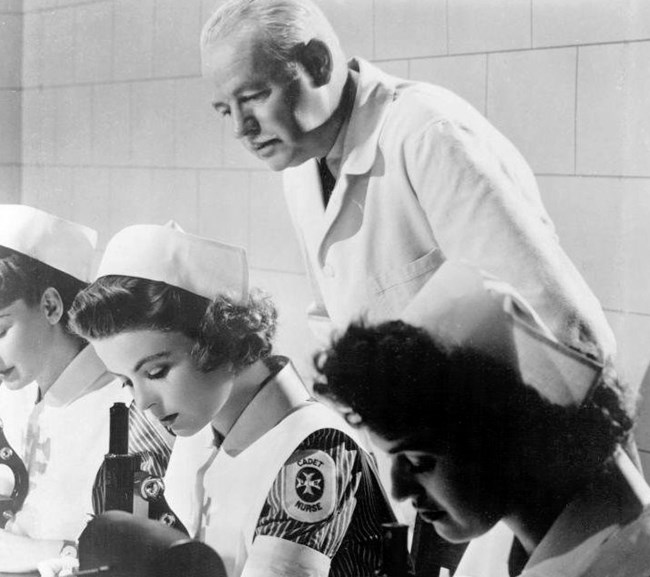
<point>424,177</point>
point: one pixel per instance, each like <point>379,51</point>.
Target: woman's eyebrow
<point>408,444</point>
<point>148,358</point>
<point>415,443</point>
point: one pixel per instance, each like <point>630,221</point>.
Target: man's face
<point>273,111</point>
<point>448,493</point>
<point>24,337</point>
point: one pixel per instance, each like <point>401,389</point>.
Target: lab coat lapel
<point>375,92</point>
<point>304,194</point>
<point>303,187</point>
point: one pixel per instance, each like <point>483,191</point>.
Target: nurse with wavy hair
<point>273,480</point>
<point>499,422</point>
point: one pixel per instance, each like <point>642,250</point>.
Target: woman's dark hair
<point>223,330</point>
<point>22,277</point>
<point>401,383</point>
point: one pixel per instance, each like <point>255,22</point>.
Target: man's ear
<point>316,58</point>
<point>52,305</point>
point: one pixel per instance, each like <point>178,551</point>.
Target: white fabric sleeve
<point>275,557</point>
<point>482,203</point>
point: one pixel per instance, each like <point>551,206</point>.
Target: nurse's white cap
<point>463,306</point>
<point>59,243</point>
<point>168,254</point>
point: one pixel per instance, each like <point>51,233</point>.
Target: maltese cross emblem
<point>310,484</point>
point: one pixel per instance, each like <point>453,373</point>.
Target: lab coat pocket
<point>396,286</point>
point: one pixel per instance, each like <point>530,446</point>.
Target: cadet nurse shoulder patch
<point>309,486</point>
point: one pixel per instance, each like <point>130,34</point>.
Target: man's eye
<point>221,109</point>
<point>261,95</point>
<point>157,373</point>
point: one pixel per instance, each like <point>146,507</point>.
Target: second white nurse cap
<point>463,306</point>
<point>167,254</point>
<point>59,243</point>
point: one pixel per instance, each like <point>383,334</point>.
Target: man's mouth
<point>6,373</point>
<point>259,146</point>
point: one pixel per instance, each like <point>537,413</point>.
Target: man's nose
<point>404,484</point>
<point>244,123</point>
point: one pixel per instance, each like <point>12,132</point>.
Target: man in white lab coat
<point>385,178</point>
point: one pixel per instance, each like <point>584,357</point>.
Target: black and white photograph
<point>324,288</point>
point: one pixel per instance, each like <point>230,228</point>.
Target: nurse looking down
<point>274,481</point>
<point>501,423</point>
<point>55,393</point>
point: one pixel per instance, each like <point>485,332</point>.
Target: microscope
<point>135,533</point>
<point>11,504</point>
<point>125,486</point>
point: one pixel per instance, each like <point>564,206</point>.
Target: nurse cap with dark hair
<point>58,243</point>
<point>167,254</point>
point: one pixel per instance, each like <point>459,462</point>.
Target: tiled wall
<point>11,30</point>
<point>117,129</point>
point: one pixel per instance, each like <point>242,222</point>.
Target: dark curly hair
<point>223,330</point>
<point>22,277</point>
<point>402,383</point>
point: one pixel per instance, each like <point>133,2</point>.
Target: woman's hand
<point>58,567</point>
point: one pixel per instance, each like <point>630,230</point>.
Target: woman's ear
<point>52,305</point>
<point>316,58</point>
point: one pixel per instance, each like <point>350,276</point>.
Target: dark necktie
<point>327,180</point>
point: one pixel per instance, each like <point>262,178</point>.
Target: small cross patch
<point>309,486</point>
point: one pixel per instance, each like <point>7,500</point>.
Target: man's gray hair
<point>282,25</point>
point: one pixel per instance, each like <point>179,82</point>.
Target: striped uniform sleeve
<point>146,438</point>
<point>327,498</point>
<point>150,440</point>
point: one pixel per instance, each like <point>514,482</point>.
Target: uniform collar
<point>80,377</point>
<point>281,395</point>
<point>335,155</point>
<point>375,90</point>
<point>606,506</point>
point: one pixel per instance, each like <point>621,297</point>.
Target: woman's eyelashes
<point>422,463</point>
<point>157,372</point>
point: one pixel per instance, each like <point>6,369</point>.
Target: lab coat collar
<point>375,90</point>
<point>80,377</point>
<point>360,135</point>
<point>573,529</point>
<point>283,394</point>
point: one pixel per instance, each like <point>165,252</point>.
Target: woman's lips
<point>431,516</point>
<point>169,420</point>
